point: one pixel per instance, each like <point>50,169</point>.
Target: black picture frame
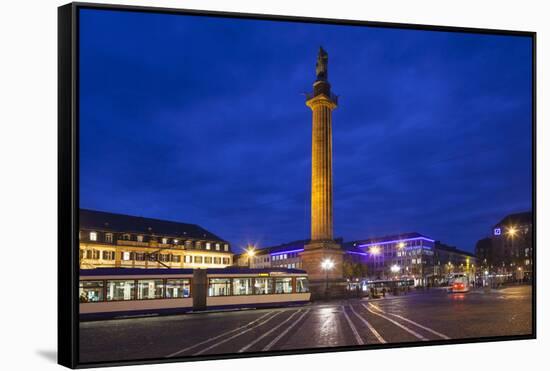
<point>68,176</point>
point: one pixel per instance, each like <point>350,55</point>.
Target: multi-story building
<point>449,259</point>
<point>509,249</point>
<point>414,256</point>
<point>288,256</point>
<point>116,240</point>
<point>405,256</point>
<point>408,255</point>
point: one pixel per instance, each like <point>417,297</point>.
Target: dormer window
<point>208,246</point>
<point>226,247</point>
<point>93,236</point>
<point>218,247</point>
<point>165,240</point>
<point>109,237</point>
<point>140,238</point>
<point>126,237</point>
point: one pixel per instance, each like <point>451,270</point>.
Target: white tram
<point>127,292</point>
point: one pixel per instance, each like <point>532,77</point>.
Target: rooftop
<point>389,238</point>
<point>104,221</point>
<point>525,217</point>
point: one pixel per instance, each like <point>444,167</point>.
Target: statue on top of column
<point>321,68</point>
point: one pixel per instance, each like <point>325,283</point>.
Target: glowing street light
<point>327,265</point>
<point>401,244</point>
<point>375,250</point>
<point>512,231</point>
<point>395,268</point>
<point>250,252</point>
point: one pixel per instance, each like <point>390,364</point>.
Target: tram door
<point>199,289</point>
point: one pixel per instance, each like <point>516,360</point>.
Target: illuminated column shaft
<point>321,167</point>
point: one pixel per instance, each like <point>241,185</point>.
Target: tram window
<point>178,288</point>
<point>301,284</point>
<point>90,291</point>
<point>242,286</point>
<point>197,259</point>
<point>150,289</point>
<point>208,260</point>
<point>176,258</point>
<point>219,287</point>
<point>263,286</point>
<point>283,285</point>
<point>120,290</point>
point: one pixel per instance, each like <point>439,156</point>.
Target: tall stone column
<point>322,247</point>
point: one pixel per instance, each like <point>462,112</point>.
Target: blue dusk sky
<point>202,120</point>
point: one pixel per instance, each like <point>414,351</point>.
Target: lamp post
<point>327,265</point>
<point>511,232</point>
<point>250,252</point>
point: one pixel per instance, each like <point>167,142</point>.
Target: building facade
<point>289,255</point>
<point>413,256</point>
<point>449,260</point>
<point>509,248</point>
<point>124,241</point>
<point>408,255</point>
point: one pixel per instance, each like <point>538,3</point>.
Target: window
<point>164,257</point>
<point>153,257</point>
<point>93,236</point>
<point>126,237</point>
<point>176,258</point>
<point>283,285</point>
<point>242,286</point>
<point>139,256</point>
<point>226,247</point>
<point>219,287</point>
<point>208,246</point>
<point>178,288</point>
<point>109,237</point>
<point>208,260</point>
<point>187,244</point>
<point>263,286</point>
<point>90,291</point>
<point>140,238</point>
<point>95,254</point>
<point>225,260</point>
<point>198,245</point>
<point>197,259</point>
<point>301,284</point>
<point>125,255</point>
<point>218,247</point>
<point>121,290</point>
<point>217,260</point>
<point>165,240</point>
<point>188,258</point>
<point>108,255</point>
<point>150,289</point>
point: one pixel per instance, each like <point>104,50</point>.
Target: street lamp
<point>375,250</point>
<point>250,252</point>
<point>511,232</point>
<point>395,269</point>
<point>327,265</point>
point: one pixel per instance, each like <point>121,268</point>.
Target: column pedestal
<point>324,284</point>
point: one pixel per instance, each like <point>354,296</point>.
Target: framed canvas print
<point>240,185</point>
